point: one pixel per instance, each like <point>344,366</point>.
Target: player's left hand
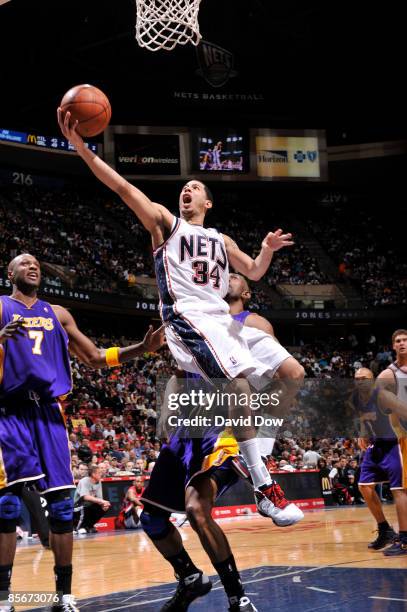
<point>12,330</point>
<point>69,129</point>
<point>153,340</point>
<point>277,240</point>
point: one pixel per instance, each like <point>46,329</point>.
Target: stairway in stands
<point>329,267</point>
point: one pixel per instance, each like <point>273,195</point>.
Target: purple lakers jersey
<point>39,360</point>
<point>241,316</point>
<point>377,424</point>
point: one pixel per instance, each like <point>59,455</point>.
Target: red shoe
<point>270,502</point>
<point>275,494</point>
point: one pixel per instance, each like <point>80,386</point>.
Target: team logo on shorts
<point>215,64</point>
<point>233,360</point>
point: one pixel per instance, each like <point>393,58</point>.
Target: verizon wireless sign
<point>145,154</point>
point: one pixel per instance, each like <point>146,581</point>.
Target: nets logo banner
<point>147,154</point>
<point>288,156</point>
<point>215,63</point>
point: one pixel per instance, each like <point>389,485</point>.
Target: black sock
<point>182,564</point>
<point>230,579</point>
<point>63,578</point>
<point>5,577</point>
<point>403,536</point>
<point>383,526</point>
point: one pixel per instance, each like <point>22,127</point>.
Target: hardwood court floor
<point>127,560</point>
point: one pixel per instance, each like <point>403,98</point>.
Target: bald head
<point>25,274</point>
<point>24,256</point>
<point>364,374</point>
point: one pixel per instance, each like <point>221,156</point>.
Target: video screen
<point>217,150</point>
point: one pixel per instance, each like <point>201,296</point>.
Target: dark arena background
<point>306,103</point>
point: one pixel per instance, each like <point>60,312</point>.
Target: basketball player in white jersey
<point>192,268</point>
<point>386,456</point>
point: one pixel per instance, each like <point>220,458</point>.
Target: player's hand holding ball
<point>84,112</point>
<point>68,129</point>
<point>277,240</point>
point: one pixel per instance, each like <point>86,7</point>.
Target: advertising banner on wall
<point>147,154</point>
<point>288,156</point>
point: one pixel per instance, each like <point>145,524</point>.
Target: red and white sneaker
<point>270,502</point>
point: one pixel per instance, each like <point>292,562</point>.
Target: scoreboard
<point>39,140</point>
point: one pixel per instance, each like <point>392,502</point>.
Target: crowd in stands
<point>111,415</point>
<point>72,229</point>
<point>332,359</point>
<point>100,245</point>
<point>367,253</point>
<point>338,460</point>
<point>293,266</point>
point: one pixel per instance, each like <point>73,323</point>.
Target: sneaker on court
<point>7,609</point>
<point>270,501</point>
<point>82,531</point>
<point>68,604</point>
<point>384,537</point>
<point>397,549</point>
<point>189,589</point>
<point>244,605</point>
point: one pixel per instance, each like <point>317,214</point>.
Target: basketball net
<point>163,24</point>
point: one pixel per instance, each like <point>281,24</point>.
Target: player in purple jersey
<point>385,420</point>
<point>35,338</point>
<point>364,401</point>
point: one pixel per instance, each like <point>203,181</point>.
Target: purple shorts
<point>182,459</point>
<point>383,462</point>
<point>34,444</point>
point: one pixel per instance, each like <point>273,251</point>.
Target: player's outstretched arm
<point>152,215</point>
<point>88,353</point>
<point>254,269</point>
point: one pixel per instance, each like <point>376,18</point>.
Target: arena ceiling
<point>295,64</point>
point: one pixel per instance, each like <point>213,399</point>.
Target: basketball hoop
<point>163,24</point>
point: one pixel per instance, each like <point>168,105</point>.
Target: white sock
<point>251,454</point>
<point>266,446</point>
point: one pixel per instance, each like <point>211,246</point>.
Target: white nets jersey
<point>192,271</point>
<point>401,381</point>
<point>399,424</point>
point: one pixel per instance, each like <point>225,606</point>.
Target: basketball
<point>90,107</point>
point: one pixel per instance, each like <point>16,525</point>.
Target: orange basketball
<point>89,106</point>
